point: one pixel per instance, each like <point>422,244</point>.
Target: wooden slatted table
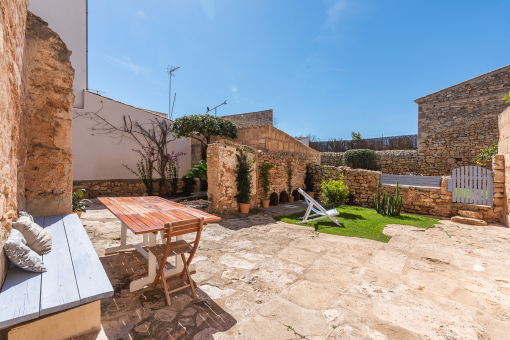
<point>147,216</point>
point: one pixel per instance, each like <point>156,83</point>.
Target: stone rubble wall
<point>455,123</point>
<point>13,14</point>
<point>221,162</point>
<point>417,200</point>
<point>118,187</point>
<point>504,151</point>
<point>252,118</point>
<point>49,108</point>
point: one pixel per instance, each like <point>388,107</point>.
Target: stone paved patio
<point>261,279</point>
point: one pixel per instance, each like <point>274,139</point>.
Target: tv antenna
<point>214,108</point>
<point>170,70</point>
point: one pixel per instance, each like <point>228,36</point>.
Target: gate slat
<point>490,191</point>
<point>480,191</point>
<point>473,188</point>
<point>462,184</point>
<point>454,180</point>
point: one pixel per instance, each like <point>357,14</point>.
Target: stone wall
<point>13,14</point>
<point>504,151</point>
<point>456,122</point>
<point>221,162</point>
<point>417,200</point>
<point>49,108</point>
<point>395,162</point>
<point>252,118</point>
<point>119,187</point>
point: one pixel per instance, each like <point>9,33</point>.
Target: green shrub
<point>485,155</point>
<point>309,182</point>
<point>243,179</point>
<point>189,184</point>
<point>334,191</point>
<point>264,173</point>
<point>359,159</point>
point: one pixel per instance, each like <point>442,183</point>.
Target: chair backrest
<point>192,225</point>
<point>311,202</point>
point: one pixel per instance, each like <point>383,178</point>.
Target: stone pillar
<point>504,151</point>
<point>48,111</point>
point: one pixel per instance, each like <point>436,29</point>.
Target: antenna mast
<point>214,108</point>
<point>170,70</point>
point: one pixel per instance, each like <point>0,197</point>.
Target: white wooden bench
<point>64,301</point>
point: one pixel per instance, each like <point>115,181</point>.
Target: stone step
<point>468,220</point>
<point>471,214</point>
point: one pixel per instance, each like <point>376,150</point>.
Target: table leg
<point>123,241</point>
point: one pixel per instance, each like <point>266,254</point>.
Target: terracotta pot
<point>79,212</point>
<point>291,199</point>
<point>244,207</point>
<point>265,203</point>
<point>311,194</point>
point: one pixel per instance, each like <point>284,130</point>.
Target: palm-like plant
<point>79,201</point>
<point>199,171</point>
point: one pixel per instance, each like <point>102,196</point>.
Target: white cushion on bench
<point>38,239</point>
<point>22,256</point>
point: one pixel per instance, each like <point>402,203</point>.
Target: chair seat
<point>159,250</point>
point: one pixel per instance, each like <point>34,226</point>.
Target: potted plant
<point>243,179</point>
<point>79,202</point>
<point>289,184</point>
<point>309,182</point>
<point>264,173</point>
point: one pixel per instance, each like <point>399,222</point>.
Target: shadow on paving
<point>144,314</point>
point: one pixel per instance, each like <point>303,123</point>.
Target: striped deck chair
<point>320,213</point>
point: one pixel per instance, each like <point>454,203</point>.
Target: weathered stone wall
<point>13,15</point>
<point>418,200</point>
<point>504,151</point>
<point>395,162</point>
<point>455,123</point>
<point>221,162</point>
<point>49,106</point>
<point>119,187</point>
<point>252,118</point>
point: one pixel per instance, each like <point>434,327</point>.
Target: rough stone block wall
<point>49,106</point>
<point>221,162</point>
<point>13,14</point>
<point>504,151</point>
<point>117,187</point>
<point>252,118</point>
<point>278,175</point>
<point>455,123</point>
<point>395,162</point>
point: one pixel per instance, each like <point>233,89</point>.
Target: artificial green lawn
<point>360,222</point>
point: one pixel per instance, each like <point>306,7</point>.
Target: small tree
<point>202,128</point>
<point>145,167</point>
<point>199,171</point>
<point>289,179</point>
<point>506,97</point>
<point>264,173</point>
<point>356,135</point>
<point>309,181</point>
<point>173,170</point>
<point>243,171</point>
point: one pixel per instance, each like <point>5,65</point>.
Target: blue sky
<point>324,67</point>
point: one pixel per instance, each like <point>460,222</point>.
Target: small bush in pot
<point>359,159</point>
<point>78,201</point>
<point>264,173</point>
<point>243,180</point>
<point>309,180</point>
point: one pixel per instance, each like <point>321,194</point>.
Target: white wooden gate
<point>473,185</point>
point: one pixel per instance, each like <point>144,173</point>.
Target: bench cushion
<point>21,255</point>
<point>38,239</point>
<point>75,276</point>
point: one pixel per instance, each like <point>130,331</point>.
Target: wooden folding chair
<point>178,247</point>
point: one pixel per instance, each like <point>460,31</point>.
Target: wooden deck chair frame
<point>180,247</point>
<point>321,213</point>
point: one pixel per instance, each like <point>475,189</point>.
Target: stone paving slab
<point>261,279</point>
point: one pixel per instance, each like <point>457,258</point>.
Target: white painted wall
<point>69,19</point>
<point>304,140</point>
<point>100,157</point>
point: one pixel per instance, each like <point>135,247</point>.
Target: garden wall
<point>221,162</point>
<point>118,187</point>
<point>395,162</point>
<point>418,200</point>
